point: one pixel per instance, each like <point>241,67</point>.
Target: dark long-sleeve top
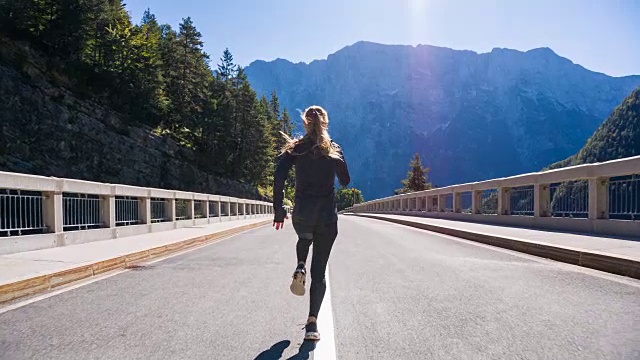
<point>315,179</point>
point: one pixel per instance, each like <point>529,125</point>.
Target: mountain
<point>618,137</point>
<point>470,116</point>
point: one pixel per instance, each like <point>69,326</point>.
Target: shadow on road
<point>303,352</point>
<point>276,350</point>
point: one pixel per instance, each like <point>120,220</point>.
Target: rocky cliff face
<point>471,116</point>
<point>46,129</point>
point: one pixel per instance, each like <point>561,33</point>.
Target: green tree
<point>188,79</point>
<point>275,122</point>
<point>227,69</point>
<point>347,197</point>
<point>148,102</point>
<point>260,144</point>
<point>287,126</point>
<point>416,177</point>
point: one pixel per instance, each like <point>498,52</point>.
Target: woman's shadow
<point>276,350</point>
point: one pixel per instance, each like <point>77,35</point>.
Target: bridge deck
<point>396,293</point>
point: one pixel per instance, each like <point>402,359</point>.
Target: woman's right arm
<point>342,171</point>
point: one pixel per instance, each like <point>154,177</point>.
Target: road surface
<point>395,293</point>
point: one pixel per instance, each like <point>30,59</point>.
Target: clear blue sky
<point>601,35</point>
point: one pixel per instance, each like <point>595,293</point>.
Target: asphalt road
<point>396,293</point>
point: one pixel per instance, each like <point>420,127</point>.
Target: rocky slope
<point>47,129</point>
<point>471,116</point>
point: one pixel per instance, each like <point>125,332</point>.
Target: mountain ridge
<point>471,116</point>
<point>542,49</point>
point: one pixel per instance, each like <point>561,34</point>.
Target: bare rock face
<point>471,116</point>
<point>47,130</point>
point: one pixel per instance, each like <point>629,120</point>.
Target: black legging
<point>322,236</point>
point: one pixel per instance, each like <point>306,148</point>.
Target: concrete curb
<point>619,265</point>
<point>40,283</point>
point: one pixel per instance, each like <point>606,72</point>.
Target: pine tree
<point>188,77</point>
<point>416,177</point>
<point>259,147</point>
<point>24,17</point>
<point>65,27</point>
<point>227,69</point>
<point>274,122</point>
<point>169,72</point>
<point>147,101</point>
<point>274,105</point>
<point>287,126</point>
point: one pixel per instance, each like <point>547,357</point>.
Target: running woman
<point>317,160</point>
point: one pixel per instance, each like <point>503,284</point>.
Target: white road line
<point>326,347</point>
<point>66,288</point>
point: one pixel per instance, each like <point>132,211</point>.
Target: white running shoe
<point>298,282</point>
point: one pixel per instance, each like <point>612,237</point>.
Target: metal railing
<point>182,210</point>
<point>159,210</point>
<point>521,201</point>
<point>81,211</point>
<point>57,212</point>
<point>600,198</point>
<point>21,212</point>
<point>127,210</point>
<point>624,197</point>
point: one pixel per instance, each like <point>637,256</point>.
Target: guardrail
<point>601,198</point>
<point>38,212</point>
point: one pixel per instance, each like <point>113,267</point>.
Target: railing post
<point>598,199</point>
<point>504,201</point>
<point>109,210</point>
<point>456,196</point>
<point>441,202</point>
<point>171,211</point>
<point>53,215</point>
<point>191,213</point>
<point>205,205</point>
<point>145,209</point>
<point>476,201</point>
<point>541,200</point>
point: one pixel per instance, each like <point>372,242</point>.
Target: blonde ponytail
<point>316,124</point>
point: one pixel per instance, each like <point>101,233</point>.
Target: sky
<point>601,35</point>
